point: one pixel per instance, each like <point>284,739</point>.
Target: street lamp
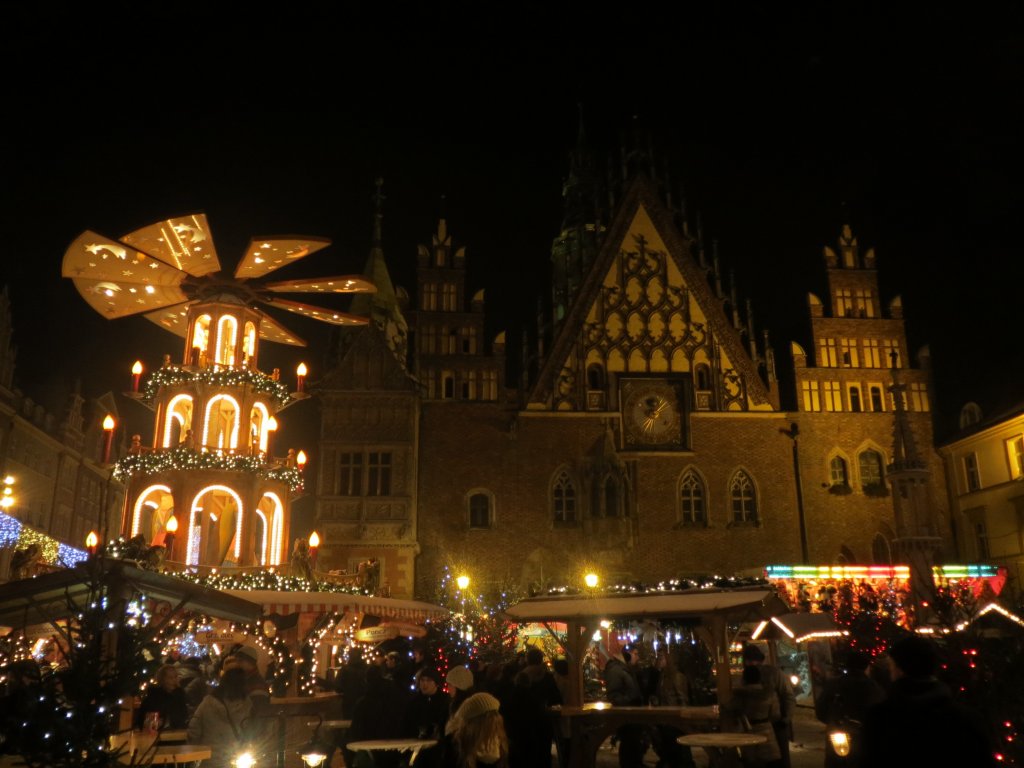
<point>108,427</point>
<point>463,582</point>
<point>7,499</point>
<point>590,580</point>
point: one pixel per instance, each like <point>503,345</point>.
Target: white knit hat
<point>476,705</point>
<point>460,677</point>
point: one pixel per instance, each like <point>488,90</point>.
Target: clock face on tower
<point>652,413</point>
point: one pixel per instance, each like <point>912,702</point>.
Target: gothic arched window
<point>563,499</point>
<point>871,478</point>
<point>839,473</point>
<point>744,498</point>
<point>692,500</point>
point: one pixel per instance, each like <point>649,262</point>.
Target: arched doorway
<point>215,527</point>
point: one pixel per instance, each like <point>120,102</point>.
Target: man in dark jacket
<point>918,723</point>
<point>843,706</point>
<point>427,715</point>
<point>773,679</point>
<point>624,691</point>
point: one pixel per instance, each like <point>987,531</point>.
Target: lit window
<point>1015,448</point>
<point>829,354</point>
<point>833,396</point>
<point>812,400</point>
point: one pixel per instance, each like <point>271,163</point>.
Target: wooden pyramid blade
<point>185,243</point>
<point>264,255</point>
<point>173,319</point>
<point>323,314</point>
<point>271,330</point>
<point>117,280</point>
<point>340,284</point>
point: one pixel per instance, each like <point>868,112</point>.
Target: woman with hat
<point>480,738</point>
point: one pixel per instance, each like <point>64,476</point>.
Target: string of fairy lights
<point>185,458</point>
<point>172,375</point>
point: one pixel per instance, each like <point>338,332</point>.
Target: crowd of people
<point>500,714</point>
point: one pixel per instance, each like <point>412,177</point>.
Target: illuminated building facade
<point>646,438</point>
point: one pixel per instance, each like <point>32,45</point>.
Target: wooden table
<point>398,745</point>
<point>721,747</point>
<point>170,754</point>
<point>330,724</point>
<point>594,722</point>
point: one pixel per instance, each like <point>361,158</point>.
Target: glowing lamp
<point>91,542</point>
<point>463,582</point>
<point>171,528</point>
<point>301,459</point>
<point>244,760</point>
<point>172,524</point>
<point>794,679</point>
<point>840,741</point>
<point>590,580</point>
<point>136,375</point>
<point>108,427</point>
<point>300,377</point>
<point>314,540</point>
<point>315,751</point>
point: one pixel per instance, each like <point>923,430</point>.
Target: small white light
<point>840,742</point>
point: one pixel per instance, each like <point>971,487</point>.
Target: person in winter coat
<point>377,715</point>
<point>166,698</point>
<point>426,717</point>
<point>843,706</point>
<point>754,707</point>
<point>671,690</point>
<point>624,691</point>
<point>223,719</point>
<point>773,679</point>
<point>919,723</point>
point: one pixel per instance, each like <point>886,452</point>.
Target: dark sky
<point>781,127</point>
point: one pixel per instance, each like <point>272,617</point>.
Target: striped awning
<point>284,603</point>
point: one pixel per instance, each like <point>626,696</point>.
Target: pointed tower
<point>913,502</point>
<point>383,307</point>
<point>579,240</point>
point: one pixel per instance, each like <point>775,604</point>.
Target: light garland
<point>268,580</point>
<point>182,458</point>
<point>17,535</point>
<point>176,376</point>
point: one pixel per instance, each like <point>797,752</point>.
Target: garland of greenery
<point>182,458</point>
<point>175,376</point>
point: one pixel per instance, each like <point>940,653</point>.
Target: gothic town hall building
<point>645,442</point>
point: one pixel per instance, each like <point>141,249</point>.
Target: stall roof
<point>798,627</point>
<point>756,602</point>
<point>45,598</point>
<point>326,602</point>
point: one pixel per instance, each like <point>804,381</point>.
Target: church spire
<point>382,307</point>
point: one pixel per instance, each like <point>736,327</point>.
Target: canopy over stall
<point>284,603</point>
<point>713,607</point>
<point>50,597</point>
<point>798,627</point>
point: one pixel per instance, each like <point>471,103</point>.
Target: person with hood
<point>919,723</point>
<point>224,719</point>
<point>529,727</point>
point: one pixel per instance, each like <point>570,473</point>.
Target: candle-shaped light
<point>91,542</point>
<point>271,427</point>
<point>171,528</point>
<point>108,427</point>
<point>314,544</point>
<point>136,375</point>
<point>300,460</point>
<point>300,377</point>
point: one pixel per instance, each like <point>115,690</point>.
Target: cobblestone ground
<point>806,751</point>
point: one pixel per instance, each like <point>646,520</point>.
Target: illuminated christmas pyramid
<point>208,485</point>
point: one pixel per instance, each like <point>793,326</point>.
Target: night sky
<point>781,128</point>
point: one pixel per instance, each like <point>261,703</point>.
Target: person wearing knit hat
<point>479,735</point>
<point>459,677</point>
<point>427,715</point>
